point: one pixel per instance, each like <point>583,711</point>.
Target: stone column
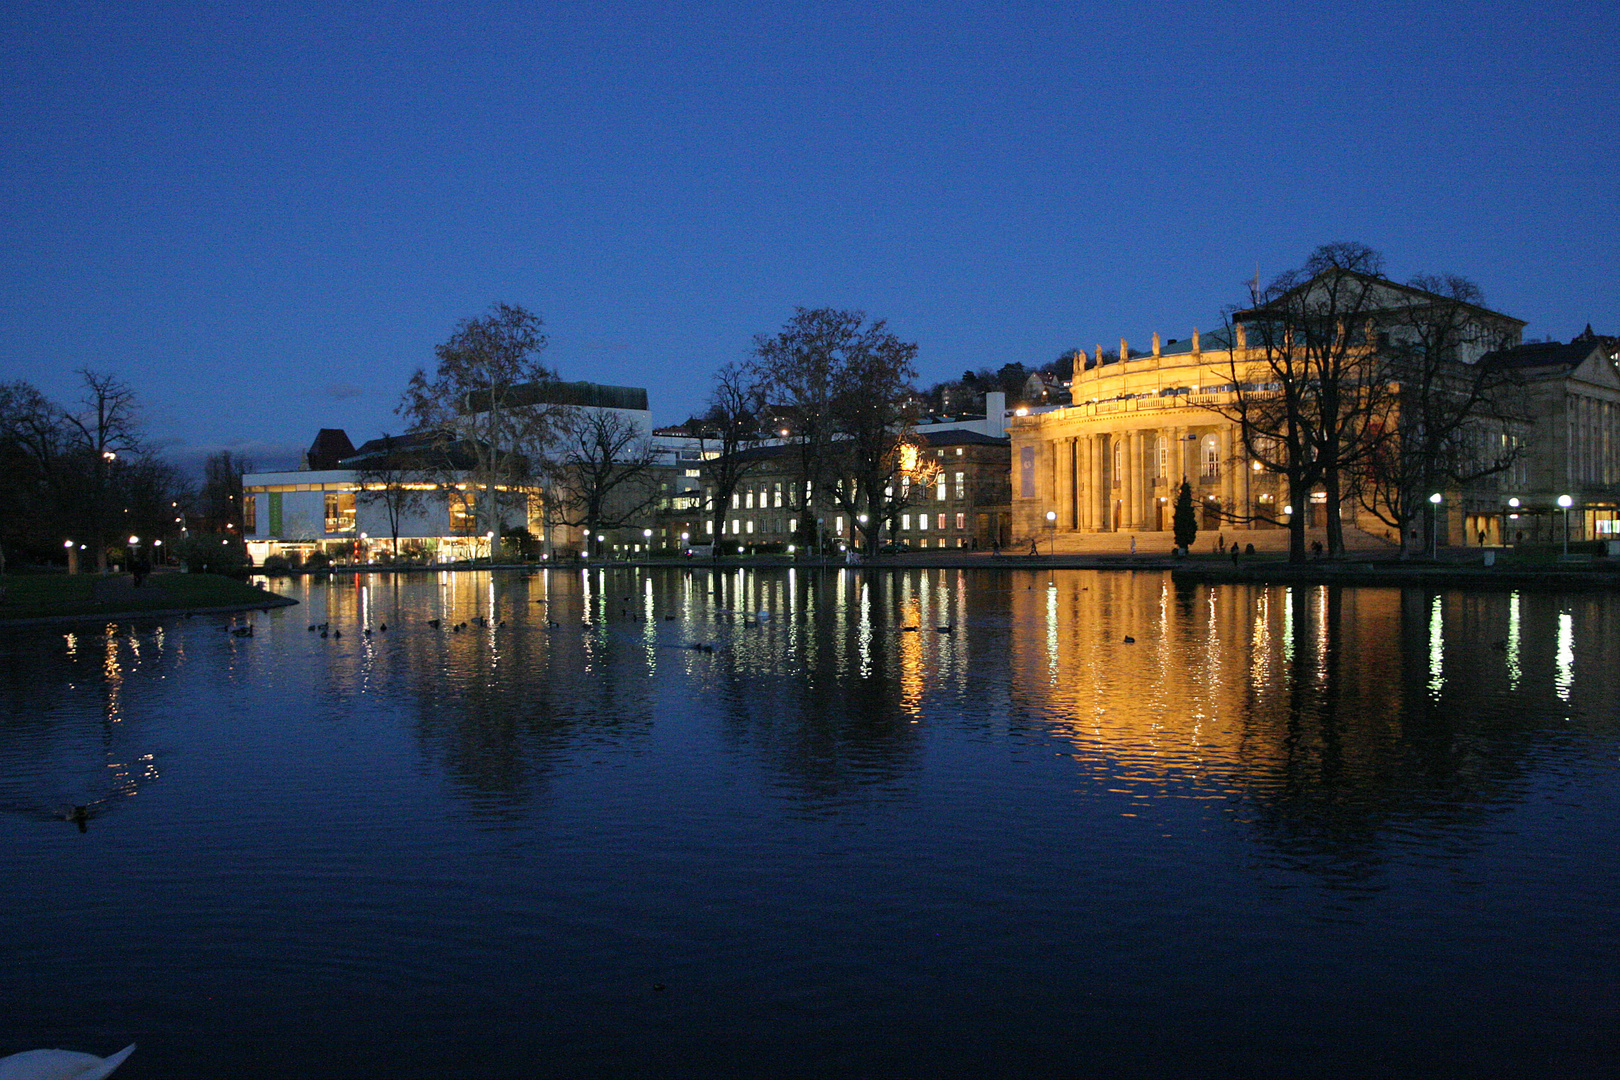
<point>1133,470</point>
<point>1105,448</point>
<point>1072,522</point>
<point>1094,495</point>
<point>1229,469</point>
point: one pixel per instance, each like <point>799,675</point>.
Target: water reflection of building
<point>1326,715</point>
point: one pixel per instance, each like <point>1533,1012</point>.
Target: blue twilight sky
<point>264,217</point>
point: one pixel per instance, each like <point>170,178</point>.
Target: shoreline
<point>1261,568</point>
<point>271,600</point>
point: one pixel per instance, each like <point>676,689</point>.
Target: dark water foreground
<point>1282,833</point>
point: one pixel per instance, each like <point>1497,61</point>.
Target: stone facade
<point>1114,459</point>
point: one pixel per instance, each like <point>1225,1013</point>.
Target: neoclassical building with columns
<point>1114,459</point>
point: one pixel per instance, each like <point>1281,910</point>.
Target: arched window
<point>1119,460</point>
<point>1161,456</point>
<point>1212,457</point>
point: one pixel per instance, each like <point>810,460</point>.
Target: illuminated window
<point>250,514</point>
<point>838,525</point>
<point>749,501</point>
<point>1212,457</point>
<point>736,500</point>
<point>708,526</point>
<point>961,485</point>
<point>776,496</point>
<point>961,521</point>
<point>736,526</point>
<point>905,522</point>
<point>340,513</point>
<point>750,529</point>
<point>694,472</point>
<point>462,517</point>
<point>942,522</point>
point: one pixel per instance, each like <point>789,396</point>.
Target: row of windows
<point>745,526</point>
<point>770,497</point>
<point>340,514</point>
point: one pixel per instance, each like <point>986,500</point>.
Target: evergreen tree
<point>1185,522</point>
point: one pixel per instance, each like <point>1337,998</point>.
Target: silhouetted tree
<point>480,400</point>
<point>604,475</point>
<point>1185,521</point>
<point>393,480</point>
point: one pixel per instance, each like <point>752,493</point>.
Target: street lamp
<point>1565,502</point>
<point>1434,525</point>
<point>647,534</point>
<point>1051,526</point>
<point>72,556</point>
<point>489,543</point>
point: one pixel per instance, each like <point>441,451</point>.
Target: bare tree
<point>604,474</point>
<point>1456,421</point>
<point>105,426</point>
<point>797,370</point>
<point>874,454</point>
<point>393,480</point>
<point>480,399</point>
<point>840,387</point>
<point>34,466</point>
<point>730,425</point>
<point>1305,398</point>
<point>222,491</point>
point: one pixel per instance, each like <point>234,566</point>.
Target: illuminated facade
<point>295,514</point>
<point>1113,460</point>
<point>965,505</point>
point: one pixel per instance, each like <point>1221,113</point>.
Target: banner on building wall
<point>1026,472</point>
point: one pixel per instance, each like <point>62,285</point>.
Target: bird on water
<point>60,1065</point>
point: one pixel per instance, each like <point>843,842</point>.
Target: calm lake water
<point>1283,833</point>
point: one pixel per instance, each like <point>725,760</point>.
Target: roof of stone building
<point>413,450</point>
<point>1547,354</point>
<point>331,446</point>
<point>961,437</point>
<point>580,394</point>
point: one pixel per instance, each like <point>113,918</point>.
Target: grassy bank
<point>65,596</point>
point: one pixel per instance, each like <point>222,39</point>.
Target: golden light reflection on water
<point>1565,679</point>
<point>1437,647</point>
<point>1514,671</point>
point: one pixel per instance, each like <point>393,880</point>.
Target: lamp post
<point>647,535</point>
<point>1565,502</point>
<point>489,543</point>
<point>1434,525</point>
<point>73,556</point>
<point>1051,528</point>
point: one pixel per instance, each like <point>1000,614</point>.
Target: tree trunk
<point>1335,520</point>
<point>1299,496</point>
